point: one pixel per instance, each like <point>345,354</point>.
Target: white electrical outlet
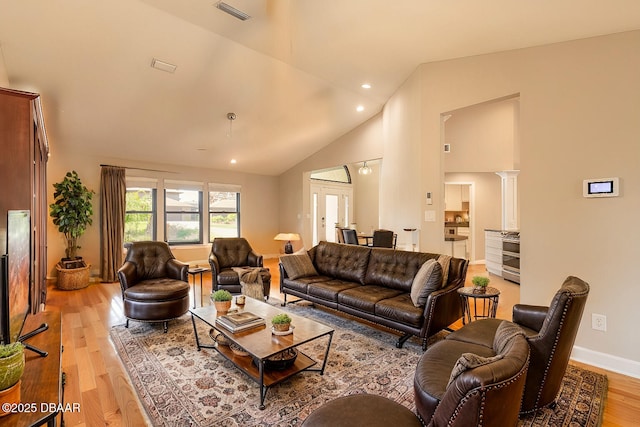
<point>599,322</point>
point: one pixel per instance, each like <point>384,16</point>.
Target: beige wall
<point>579,103</point>
<point>259,196</point>
<point>363,143</point>
<point>366,193</point>
<point>482,137</point>
<point>4,78</point>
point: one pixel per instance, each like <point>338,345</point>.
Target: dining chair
<point>383,239</point>
<point>350,236</point>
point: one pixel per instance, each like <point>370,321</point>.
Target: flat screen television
<point>15,277</point>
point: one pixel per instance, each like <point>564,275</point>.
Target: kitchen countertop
<point>455,238</point>
<point>456,224</point>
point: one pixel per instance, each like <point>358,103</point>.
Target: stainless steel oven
<point>511,256</point>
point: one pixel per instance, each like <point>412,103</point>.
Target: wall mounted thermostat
<point>601,187</point>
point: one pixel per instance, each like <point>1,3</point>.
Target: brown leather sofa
<point>375,284</point>
<point>154,284</point>
<point>551,332</point>
<point>229,252</point>
<point>485,393</point>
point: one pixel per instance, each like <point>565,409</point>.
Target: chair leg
<point>402,340</point>
<point>126,325</point>
<point>166,326</point>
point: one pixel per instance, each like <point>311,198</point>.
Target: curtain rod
<point>140,169</point>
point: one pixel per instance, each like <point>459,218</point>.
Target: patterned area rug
<point>180,386</point>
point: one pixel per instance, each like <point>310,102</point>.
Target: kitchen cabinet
<point>455,247</point>
<point>453,197</point>
<point>493,251</point>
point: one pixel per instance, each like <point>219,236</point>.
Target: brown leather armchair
<point>154,284</point>
<point>487,393</point>
<point>551,332</point>
<point>229,252</point>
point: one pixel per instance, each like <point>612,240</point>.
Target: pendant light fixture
<point>231,117</point>
<point>365,170</point>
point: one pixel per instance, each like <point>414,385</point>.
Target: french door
<point>331,206</point>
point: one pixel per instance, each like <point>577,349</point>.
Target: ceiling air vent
<point>232,11</point>
<point>164,66</point>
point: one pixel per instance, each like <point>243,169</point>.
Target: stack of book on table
<point>237,322</point>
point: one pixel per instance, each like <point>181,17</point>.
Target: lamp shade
<point>287,236</point>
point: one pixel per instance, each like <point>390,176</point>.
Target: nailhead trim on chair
<point>484,391</point>
<point>553,351</point>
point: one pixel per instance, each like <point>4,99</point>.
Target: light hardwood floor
<point>96,378</point>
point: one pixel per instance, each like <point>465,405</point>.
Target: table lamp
<point>288,237</point>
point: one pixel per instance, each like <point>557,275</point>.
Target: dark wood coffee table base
<point>260,344</point>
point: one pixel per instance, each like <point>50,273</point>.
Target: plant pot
<point>11,370</point>
<point>479,289</point>
<point>222,307</point>
<point>281,327</point>
<point>72,278</point>
<point>9,396</point>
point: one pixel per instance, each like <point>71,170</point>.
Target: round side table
<point>481,309</point>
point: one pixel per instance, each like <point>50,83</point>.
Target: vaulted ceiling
<point>292,73</point>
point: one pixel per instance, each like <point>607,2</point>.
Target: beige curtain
<point>113,190</point>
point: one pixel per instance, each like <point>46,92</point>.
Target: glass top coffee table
<point>261,343</point>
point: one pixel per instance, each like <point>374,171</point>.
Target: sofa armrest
<point>442,308</point>
<point>530,316</point>
<point>177,270</point>
<point>215,269</point>
<point>254,259</point>
<point>127,275</point>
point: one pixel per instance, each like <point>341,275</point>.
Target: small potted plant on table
<point>222,300</point>
<point>11,370</point>
<point>281,322</point>
<point>480,284</point>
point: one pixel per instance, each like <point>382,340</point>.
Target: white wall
<point>259,204</point>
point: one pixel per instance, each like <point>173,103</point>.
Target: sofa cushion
<point>394,269</point>
<point>329,289</point>
<point>401,309</point>
<point>164,289</point>
<point>469,361</point>
<point>298,266</point>
<point>364,298</point>
<point>445,263</point>
<point>427,280</point>
<point>344,262</point>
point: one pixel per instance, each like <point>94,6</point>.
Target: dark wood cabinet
<point>24,151</point>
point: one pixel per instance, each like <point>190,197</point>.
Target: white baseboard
<point>627,367</point>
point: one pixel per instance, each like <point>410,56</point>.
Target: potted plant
<point>71,212</point>
<point>222,300</point>
<point>11,370</point>
<point>281,322</point>
<point>480,284</point>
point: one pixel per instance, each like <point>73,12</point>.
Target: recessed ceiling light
<point>359,108</point>
<point>366,86</point>
<point>234,161</point>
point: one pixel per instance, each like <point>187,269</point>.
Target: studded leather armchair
<point>154,284</point>
<point>551,332</point>
<point>229,252</point>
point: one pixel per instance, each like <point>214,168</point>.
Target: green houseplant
<point>480,283</point>
<point>281,322</point>
<point>11,370</point>
<point>72,213</point>
<point>222,300</point>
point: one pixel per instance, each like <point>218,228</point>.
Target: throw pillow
<point>505,332</point>
<point>445,261</point>
<point>469,361</point>
<point>427,280</point>
<point>298,266</point>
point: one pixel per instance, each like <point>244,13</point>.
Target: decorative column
<point>509,199</point>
